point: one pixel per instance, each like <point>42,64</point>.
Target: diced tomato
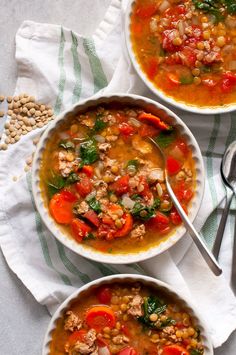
<point>159,222</point>
<point>127,227</point>
<point>79,229</point>
<point>228,82</point>
<point>121,186</point>
<point>188,56</point>
<point>173,166</point>
<point>84,186</point>
<point>88,170</point>
<point>155,120</point>
<point>179,325</point>
<point>127,351</point>
<point>175,217</point>
<point>60,208</point>
<point>175,11</point>
<point>152,68</point>
<point>167,41</point>
<point>125,330</point>
<point>160,218</point>
<point>99,317</point>
<point>146,130</point>
<point>104,294</point>
<point>174,350</point>
<point>78,335</point>
<point>183,192</point>
<point>183,147</point>
<point>146,192</point>
<point>68,196</point>
<point>146,11</point>
<point>92,217</point>
<point>126,129</point>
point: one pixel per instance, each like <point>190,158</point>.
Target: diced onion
<point>181,28</point>
<point>164,6</point>
<point>134,122</point>
<point>99,138</point>
<point>177,153</point>
<point>127,202</point>
<point>103,350</point>
<point>156,175</point>
<point>64,135</point>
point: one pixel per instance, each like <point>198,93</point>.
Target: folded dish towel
<point>61,67</point>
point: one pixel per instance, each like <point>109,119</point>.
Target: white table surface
<point>23,321</point>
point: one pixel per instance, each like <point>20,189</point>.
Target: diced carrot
<point>99,317</point>
<point>156,121</point>
<point>61,209</point>
<point>127,227</point>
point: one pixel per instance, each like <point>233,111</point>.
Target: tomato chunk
<point>92,217</point>
<point>228,82</point>
<point>84,186</point>
<point>60,208</point>
<point>77,336</point>
<point>173,166</point>
<point>88,170</point>
<point>128,351</point>
<point>99,317</point>
<point>68,196</point>
<point>79,229</point>
<point>126,129</point>
<point>104,295</point>
<point>174,350</point>
<point>121,186</point>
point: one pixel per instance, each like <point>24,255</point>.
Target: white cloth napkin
<point>60,67</point>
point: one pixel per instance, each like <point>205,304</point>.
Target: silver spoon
<point>207,255</point>
<point>228,172</point>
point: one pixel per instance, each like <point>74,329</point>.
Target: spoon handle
<point>220,232</point>
<point>233,273</point>
<point>207,255</point>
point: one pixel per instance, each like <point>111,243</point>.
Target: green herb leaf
<point>167,322</point>
<point>55,183</point>
<point>67,145</point>
<point>212,7</point>
<point>156,203</point>
<point>72,178</point>
<point>88,152</point>
<point>152,305</point>
<point>165,138</point>
<point>134,163</point>
<point>89,236</point>
<point>196,352</point>
<point>99,124</point>
<point>186,80</point>
<point>142,212</point>
<point>94,204</point>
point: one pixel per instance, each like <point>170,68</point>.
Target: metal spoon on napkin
<point>228,172</point>
<point>207,255</point>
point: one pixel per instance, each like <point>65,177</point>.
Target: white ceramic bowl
<point>146,281</point>
<point>153,88</point>
<point>93,254</point>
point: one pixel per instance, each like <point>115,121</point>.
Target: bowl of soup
<point>127,315</point>
<point>98,180</point>
<point>185,51</point>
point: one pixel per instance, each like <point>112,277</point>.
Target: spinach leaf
<point>72,178</point>
<point>212,7</point>
<point>94,204</point>
<point>99,124</point>
<point>55,184</point>
<point>67,145</point>
<point>89,236</point>
<point>167,322</point>
<point>88,152</point>
<point>196,352</point>
<point>134,163</point>
<point>231,6</point>
<point>165,138</point>
<point>152,305</point>
<point>142,211</point>
<point>186,80</point>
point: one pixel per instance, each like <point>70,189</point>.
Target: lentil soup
<point>104,181</point>
<point>126,319</point>
<point>187,49</point>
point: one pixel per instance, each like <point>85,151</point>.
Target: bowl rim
<point>116,258</point>
<point>168,99</point>
<point>145,280</point>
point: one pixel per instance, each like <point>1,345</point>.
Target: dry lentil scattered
<point>25,114</point>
